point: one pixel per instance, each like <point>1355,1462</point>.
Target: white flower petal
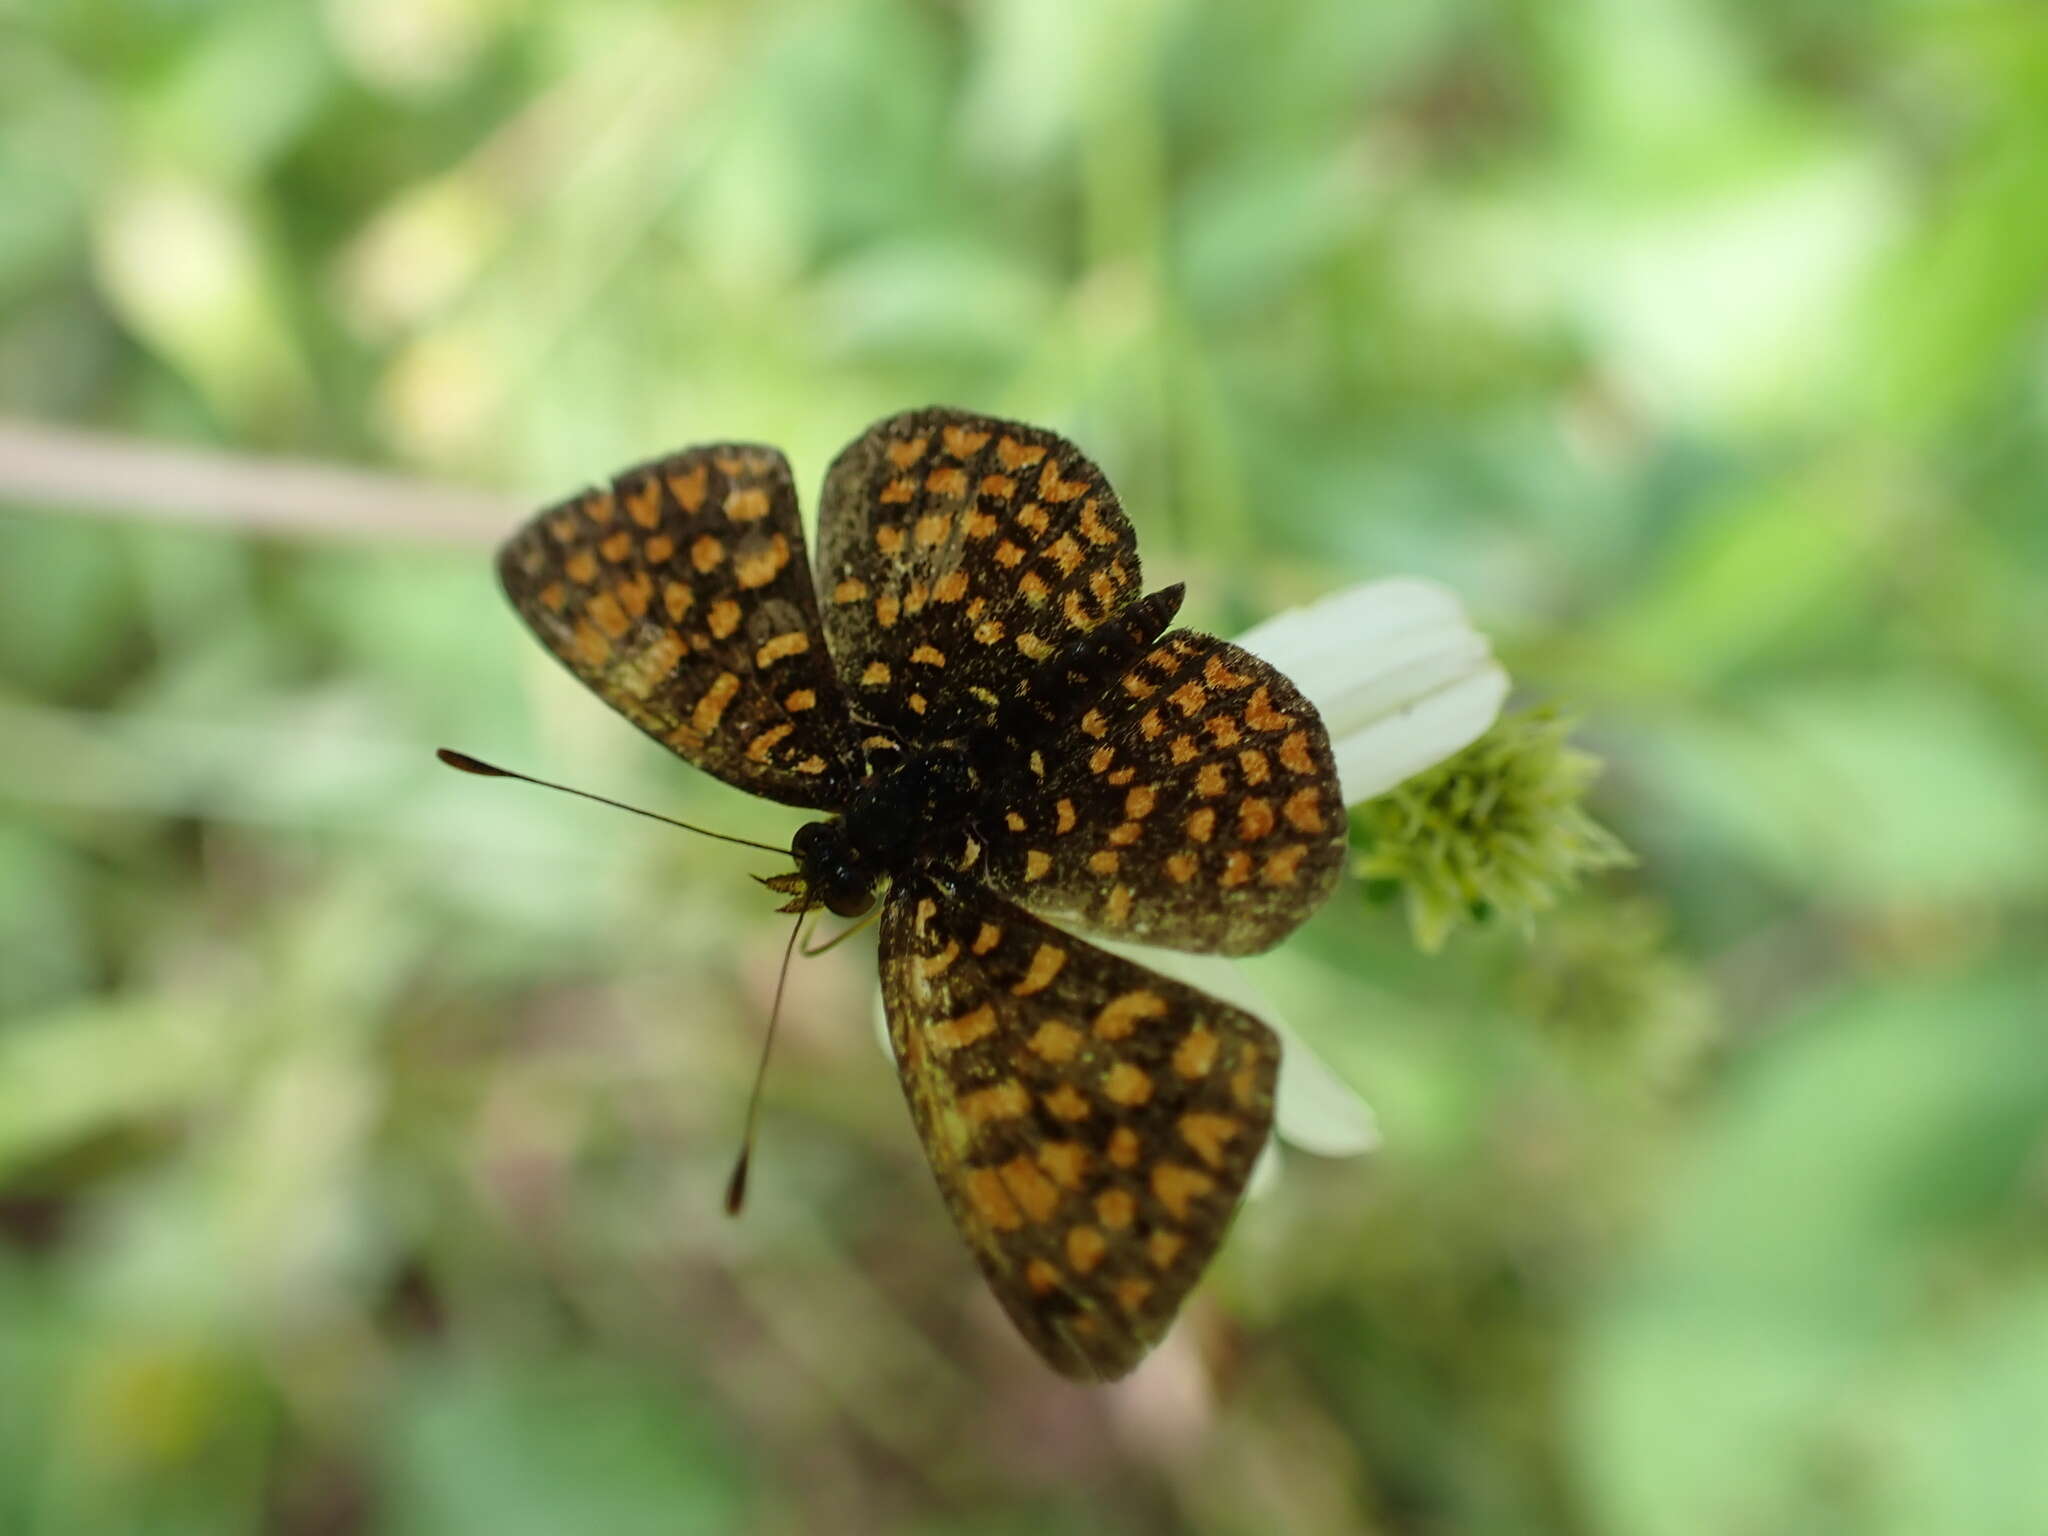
<point>1317,1110</point>
<point>1265,1174</point>
<point>1398,673</point>
<point>1375,758</point>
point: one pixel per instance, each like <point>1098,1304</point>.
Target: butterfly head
<point>830,871</point>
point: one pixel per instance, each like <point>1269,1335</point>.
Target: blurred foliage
<point>362,1127</point>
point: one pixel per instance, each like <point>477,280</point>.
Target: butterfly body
<point>1007,741</point>
<point>933,807</point>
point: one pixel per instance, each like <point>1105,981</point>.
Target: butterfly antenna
<point>736,1186</point>
<point>463,762</point>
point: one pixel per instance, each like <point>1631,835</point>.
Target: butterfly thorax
<point>924,810</point>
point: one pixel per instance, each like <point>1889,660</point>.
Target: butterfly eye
<point>848,900</point>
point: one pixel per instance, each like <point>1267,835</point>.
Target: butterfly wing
<point>959,551</point>
<point>1195,806</point>
<point>1091,1123</point>
<point>682,595</point>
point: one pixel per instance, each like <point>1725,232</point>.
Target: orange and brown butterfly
<point>1007,741</point>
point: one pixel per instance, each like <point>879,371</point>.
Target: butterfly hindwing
<point>682,595</point>
<point>1195,806</point>
<point>1091,1123</point>
<point>957,552</point>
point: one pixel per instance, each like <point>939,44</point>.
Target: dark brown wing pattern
<point>681,594</point>
<point>957,552</point>
<point>1091,1123</point>
<point>1196,806</point>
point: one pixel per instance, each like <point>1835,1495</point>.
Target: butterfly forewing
<point>1195,805</point>
<point>682,595</point>
<point>958,552</point>
<point>1091,1123</point>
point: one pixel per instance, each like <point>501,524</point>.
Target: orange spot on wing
<point>1115,1209</point>
<point>1127,1083</point>
<point>1065,1162</point>
<point>688,489</point>
<point>957,1034</point>
<point>1052,488</point>
<point>1055,1041</point>
<point>906,451</point>
<point>1177,1187</point>
<point>793,643</point>
<point>1209,1135</point>
<point>746,504</point>
<point>1012,454</point>
<point>1260,714</point>
<point>990,1198</point>
<point>963,442</point>
<point>643,503</point>
<point>1085,1248</point>
<point>1196,1053</point>
<point>1005,1101</point>
<point>606,613</point>
<point>1303,811</point>
<point>758,567</point>
<point>711,707</point>
<point>759,748</point>
<point>1222,729</point>
<point>1254,818</point>
<point>1066,1103</point>
<point>1281,867</point>
<point>1046,962</point>
<point>1037,1195</point>
<point>723,618</point>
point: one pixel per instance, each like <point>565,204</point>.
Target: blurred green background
<point>362,1127</point>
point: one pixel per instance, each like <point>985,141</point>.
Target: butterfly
<point>1006,740</point>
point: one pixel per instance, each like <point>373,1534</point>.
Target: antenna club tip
<point>467,764</point>
<point>736,1187</point>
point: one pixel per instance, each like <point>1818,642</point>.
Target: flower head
<point>1497,829</point>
